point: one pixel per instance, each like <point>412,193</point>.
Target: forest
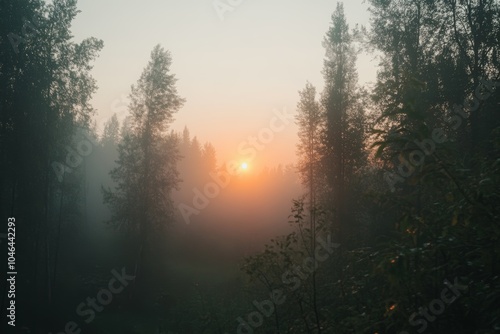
<point>385,224</point>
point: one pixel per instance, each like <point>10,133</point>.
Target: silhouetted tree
<point>344,130</point>
<point>209,157</point>
<point>45,93</point>
<point>111,133</point>
<point>146,169</point>
<point>310,120</point>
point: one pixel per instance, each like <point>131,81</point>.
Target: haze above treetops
<point>234,73</point>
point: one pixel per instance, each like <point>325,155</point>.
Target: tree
<point>344,114</point>
<point>45,93</point>
<point>310,121</point>
<point>209,157</point>
<point>433,57</point>
<point>146,169</point>
<point>472,40</point>
<point>186,139</point>
<point>111,133</point>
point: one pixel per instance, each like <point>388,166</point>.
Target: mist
<point>223,167</point>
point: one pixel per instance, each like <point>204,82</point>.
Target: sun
<point>244,166</point>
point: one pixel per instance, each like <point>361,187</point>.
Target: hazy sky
<point>232,72</point>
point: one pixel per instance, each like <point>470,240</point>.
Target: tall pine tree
<point>344,130</point>
<point>146,172</point>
